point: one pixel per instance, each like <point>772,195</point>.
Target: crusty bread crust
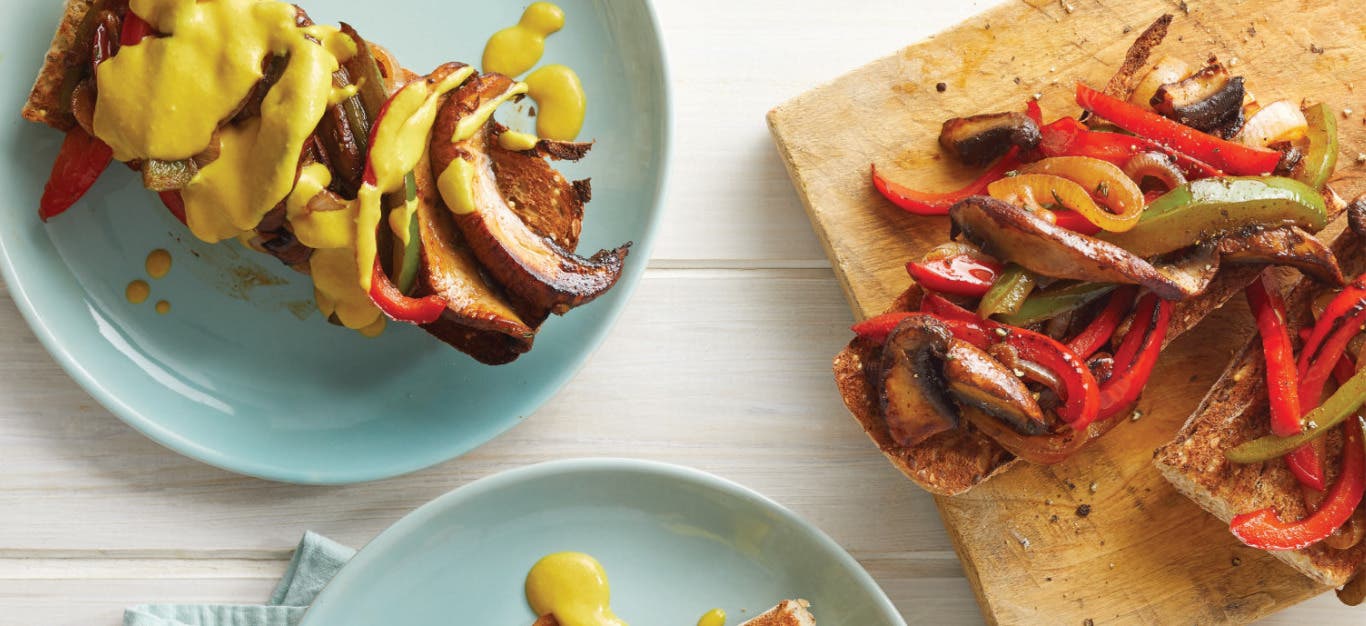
<point>1234,411</point>
<point>44,103</point>
<point>787,613</point>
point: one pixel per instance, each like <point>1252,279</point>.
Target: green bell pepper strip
<point>1008,293</point>
<point>1198,209</point>
<point>1335,410</point>
<point>411,252</point>
<point>1322,155</point>
<point>1042,305</point>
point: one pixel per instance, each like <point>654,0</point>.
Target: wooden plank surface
<point>1144,554</point>
<point>721,362</point>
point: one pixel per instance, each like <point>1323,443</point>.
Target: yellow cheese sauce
<point>137,291</point>
<point>163,307</point>
<point>158,263</point>
<point>516,49</point>
<point>573,587</point>
<point>714,617</point>
<point>559,94</point>
<point>513,140</point>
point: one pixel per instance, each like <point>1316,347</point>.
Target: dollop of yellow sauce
<point>456,183</point>
<point>714,617</point>
<point>513,140</point>
<point>137,291</point>
<point>158,263</point>
<point>163,307</point>
<point>516,49</point>
<point>559,94</point>
<point>573,587</point>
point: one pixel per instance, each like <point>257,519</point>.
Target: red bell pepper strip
<point>79,164</point>
<point>135,29</point>
<point>1136,357</point>
<point>929,203</point>
<point>101,45</point>
<point>1282,381</point>
<point>1099,331</point>
<point>1231,157</point>
<point>960,275</point>
<point>400,307</point>
<point>1075,222</point>
<point>1264,529</point>
<point>1081,400</point>
<point>1068,137</point>
<point>1034,111</point>
<point>1341,320</point>
<point>174,203</point>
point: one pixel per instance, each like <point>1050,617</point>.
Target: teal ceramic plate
<point>675,542</point>
<point>243,373</point>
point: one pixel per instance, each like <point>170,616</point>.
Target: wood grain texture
<point>1144,554</point>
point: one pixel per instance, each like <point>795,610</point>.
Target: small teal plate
<point>675,542</point>
<point>243,373</point>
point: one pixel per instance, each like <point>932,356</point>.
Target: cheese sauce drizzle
<point>516,49</point>
<point>559,94</point>
<point>158,263</point>
<point>714,617</point>
<point>573,587</point>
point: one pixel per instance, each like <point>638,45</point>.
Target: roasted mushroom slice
<point>980,139</point>
<point>535,269</point>
<point>1011,233</point>
<point>1205,100</point>
<point>915,400</point>
<point>976,379</point>
<point>1286,245</point>
<point>448,270</point>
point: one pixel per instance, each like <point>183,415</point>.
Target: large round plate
<point>675,543</point>
<point>243,374</point>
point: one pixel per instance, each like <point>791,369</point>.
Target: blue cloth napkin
<point>316,561</point>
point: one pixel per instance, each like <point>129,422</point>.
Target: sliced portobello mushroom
<point>1285,245</point>
<point>981,139</point>
<point>1012,233</point>
<point>450,271</point>
<point>1206,100</point>
<point>976,379</point>
<point>914,393</point>
<point>533,268</point>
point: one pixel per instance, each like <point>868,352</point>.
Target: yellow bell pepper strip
<point>1335,410</point>
<point>1008,293</point>
<point>1264,529</point>
<point>1198,209</point>
<point>1322,155</point>
<point>1098,179</point>
<point>1042,305</point>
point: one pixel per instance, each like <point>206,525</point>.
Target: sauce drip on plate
<point>573,587</point>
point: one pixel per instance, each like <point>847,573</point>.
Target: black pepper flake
<point>1088,621</point>
<point>1128,29</point>
<point>1315,48</point>
<point>941,87</point>
<point>1053,518</point>
<point>1237,561</point>
<point>1017,80</point>
<point>1251,31</point>
<point>1185,8</point>
<point>1083,510</point>
<point>1070,484</point>
<point>1048,579</point>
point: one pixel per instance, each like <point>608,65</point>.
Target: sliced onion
<point>956,248</point>
<point>1279,121</point>
<point>1166,71</point>
<point>1156,165</point>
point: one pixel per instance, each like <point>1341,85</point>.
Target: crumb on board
<point>1083,510</point>
<point>1237,561</point>
<point>941,87</point>
<point>1315,48</point>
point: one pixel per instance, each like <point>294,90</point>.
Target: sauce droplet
<point>516,49</point>
<point>519,142</point>
<point>158,263</point>
<point>714,617</point>
<point>137,291</point>
<point>163,307</point>
<point>558,92</point>
<point>573,587</point>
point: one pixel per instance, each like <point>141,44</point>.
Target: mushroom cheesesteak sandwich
<point>1086,245</point>
<point>398,193</point>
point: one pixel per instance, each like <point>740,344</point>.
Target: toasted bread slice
<point>1235,411</point>
<point>787,613</point>
<point>46,101</point>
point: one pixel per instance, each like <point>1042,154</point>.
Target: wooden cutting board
<point>1144,553</point>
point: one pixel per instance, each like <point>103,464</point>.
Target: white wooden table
<point>721,362</point>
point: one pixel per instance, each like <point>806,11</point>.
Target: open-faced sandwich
<point>1276,448</point>
<point>397,192</point>
<point>1087,245</point>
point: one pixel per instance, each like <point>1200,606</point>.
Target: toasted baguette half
<point>69,48</point>
<point>954,461</point>
<point>787,613</point>
<point>1235,411</point>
